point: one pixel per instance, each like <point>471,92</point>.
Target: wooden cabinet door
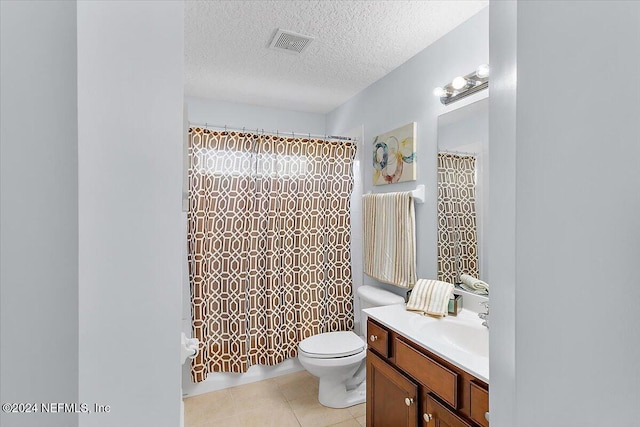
<point>479,404</point>
<point>437,415</point>
<point>392,399</point>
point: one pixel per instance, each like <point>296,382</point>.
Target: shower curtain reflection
<point>457,235</point>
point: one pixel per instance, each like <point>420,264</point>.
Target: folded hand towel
<point>431,297</point>
<point>474,285</point>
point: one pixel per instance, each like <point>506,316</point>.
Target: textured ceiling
<point>356,43</point>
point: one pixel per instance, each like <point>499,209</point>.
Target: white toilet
<point>338,358</point>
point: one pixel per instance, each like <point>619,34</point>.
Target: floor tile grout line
<point>293,412</point>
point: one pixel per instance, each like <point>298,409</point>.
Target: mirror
<point>463,188</point>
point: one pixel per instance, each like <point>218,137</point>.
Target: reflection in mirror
<point>463,178</point>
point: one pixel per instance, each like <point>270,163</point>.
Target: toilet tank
<point>370,296</point>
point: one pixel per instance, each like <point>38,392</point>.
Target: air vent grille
<point>290,41</point>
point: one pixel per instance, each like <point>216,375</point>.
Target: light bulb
<point>459,82</point>
<point>483,71</point>
<point>439,92</point>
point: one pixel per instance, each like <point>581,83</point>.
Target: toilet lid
<point>332,344</point>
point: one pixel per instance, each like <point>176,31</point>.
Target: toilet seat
<point>330,345</point>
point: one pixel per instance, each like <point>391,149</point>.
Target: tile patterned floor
<point>286,401</point>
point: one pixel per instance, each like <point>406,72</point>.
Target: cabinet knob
<point>408,401</point>
<point>486,415</point>
<point>373,338</point>
<point>427,417</point>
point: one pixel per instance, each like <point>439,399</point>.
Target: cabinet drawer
<point>378,338</point>
<point>437,415</point>
<point>479,404</point>
<point>437,378</point>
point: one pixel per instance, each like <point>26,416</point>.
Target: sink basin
<point>467,338</point>
<point>464,335</point>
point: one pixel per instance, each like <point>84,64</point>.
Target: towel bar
<point>418,194</point>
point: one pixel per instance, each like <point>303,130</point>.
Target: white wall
<point>403,96</point>
<point>39,204</point>
<point>130,100</point>
<point>357,260</point>
<point>575,221</point>
<point>237,115</point>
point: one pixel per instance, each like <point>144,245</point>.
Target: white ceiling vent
<point>290,41</point>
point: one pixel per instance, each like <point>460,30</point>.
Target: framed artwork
<point>394,156</point>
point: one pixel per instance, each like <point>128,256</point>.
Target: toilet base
<point>334,394</point>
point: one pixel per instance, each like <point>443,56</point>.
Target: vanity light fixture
<point>459,83</point>
<point>463,86</point>
<point>440,92</point>
<point>483,71</point>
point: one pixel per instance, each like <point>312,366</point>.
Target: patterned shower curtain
<point>457,235</point>
<point>269,245</point>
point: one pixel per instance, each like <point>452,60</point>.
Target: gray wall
<point>405,95</point>
<point>39,205</point>
<point>574,225</point>
<point>130,131</point>
<point>91,201</point>
<point>501,239</point>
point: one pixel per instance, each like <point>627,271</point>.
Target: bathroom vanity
<point>426,372</point>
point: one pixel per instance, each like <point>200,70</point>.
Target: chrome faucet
<point>485,315</point>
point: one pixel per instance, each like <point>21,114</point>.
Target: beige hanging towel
<point>390,238</point>
<point>430,297</point>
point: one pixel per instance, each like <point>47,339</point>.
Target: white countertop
<point>461,339</point>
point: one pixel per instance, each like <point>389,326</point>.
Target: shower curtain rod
<point>274,132</point>
<point>461,153</point>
